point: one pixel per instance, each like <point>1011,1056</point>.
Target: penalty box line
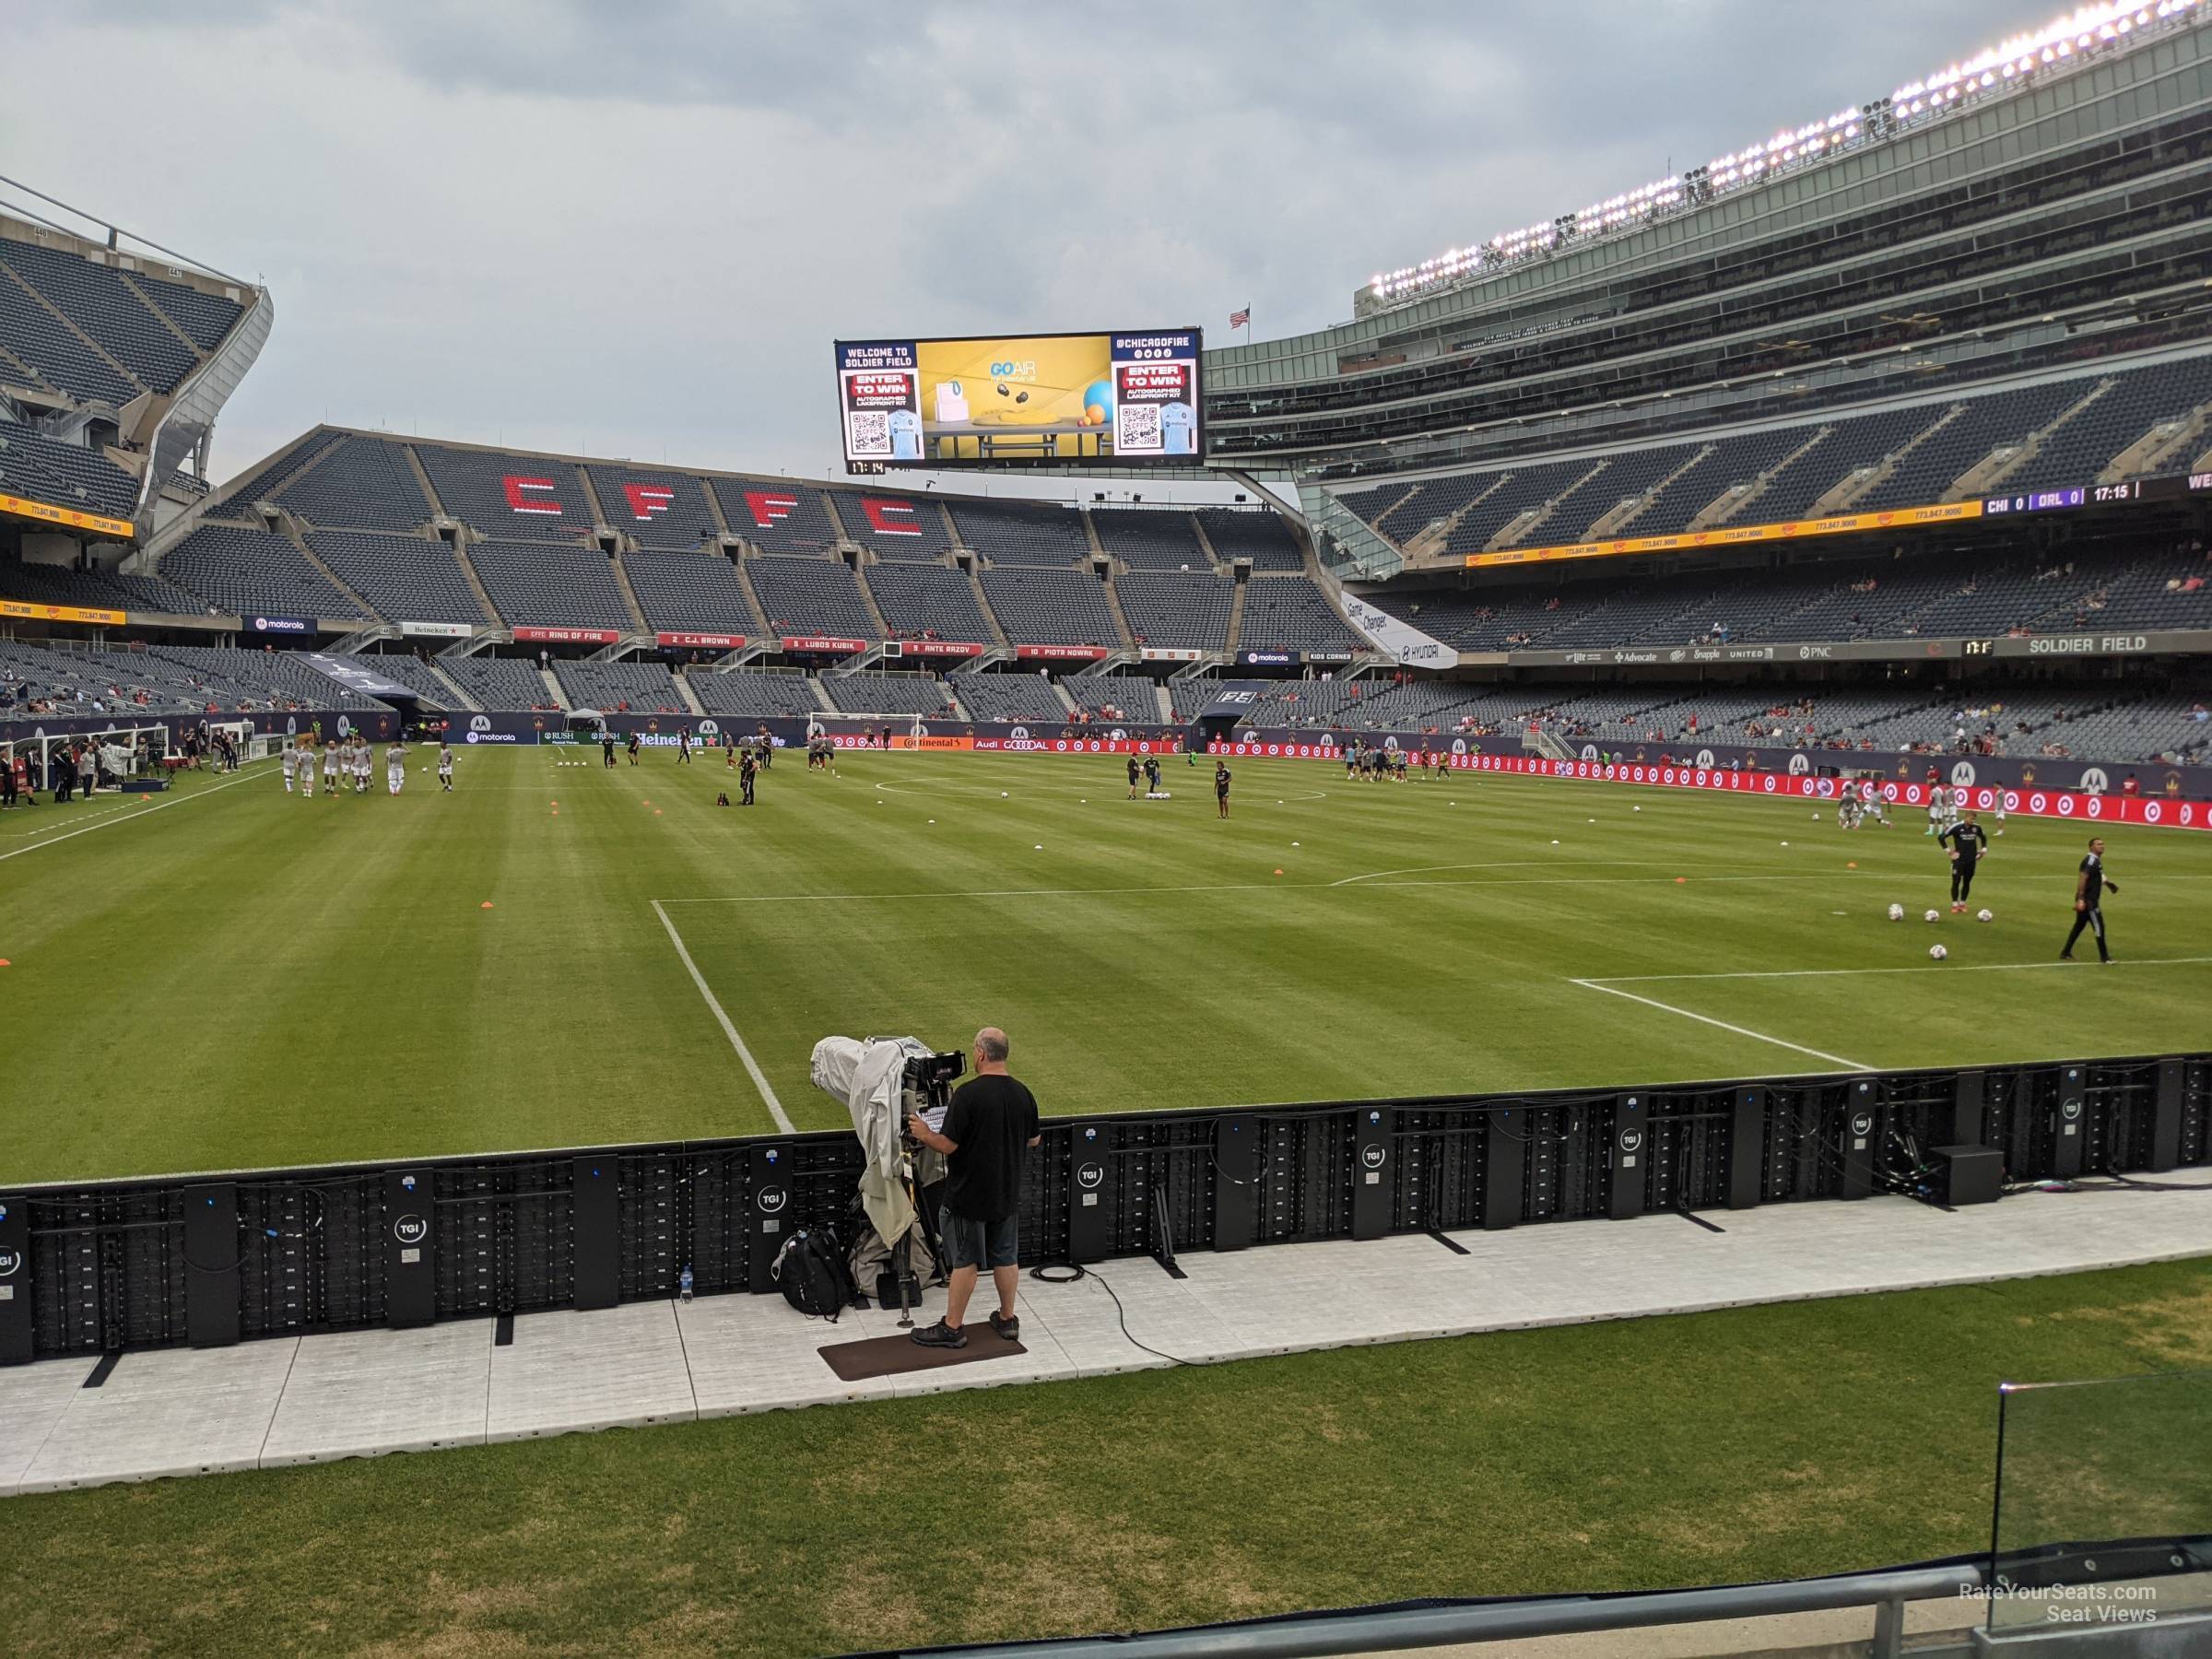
<point>1652,979</point>
<point>1649,1002</point>
<point>752,1066</point>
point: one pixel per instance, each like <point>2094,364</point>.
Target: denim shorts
<point>978,1244</point>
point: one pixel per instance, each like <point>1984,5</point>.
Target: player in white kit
<point>1937,795</point>
<point>445,766</point>
<point>1870,800</point>
<point>330,768</point>
<point>363,754</point>
<point>291,762</point>
<point>396,766</point>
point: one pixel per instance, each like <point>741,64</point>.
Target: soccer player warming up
<point>445,766</point>
<point>1133,777</point>
<point>1969,841</point>
<point>1221,787</point>
<point>2090,889</point>
<point>395,767</point>
<point>330,768</point>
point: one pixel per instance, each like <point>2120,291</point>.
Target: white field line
<point>1720,1024</point>
<point>768,1093</point>
<point>1533,864</point>
<point>1647,979</point>
<point>132,817</point>
<point>1225,886</point>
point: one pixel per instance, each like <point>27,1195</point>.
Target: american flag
<point>1240,319</point>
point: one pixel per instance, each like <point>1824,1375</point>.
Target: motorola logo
<point>1962,775</point>
<point>814,729</point>
<point>1800,765</point>
<point>2093,781</point>
<point>770,1200</point>
<point>1705,758</point>
<point>1021,733</point>
<point>707,728</point>
<point>480,723</point>
<point>1118,735</point>
<point>411,1230</point>
<point>1590,751</point>
<point>1459,745</point>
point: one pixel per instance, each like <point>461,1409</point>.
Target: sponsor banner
<point>707,641</point>
<point>2172,642</point>
<point>567,636</point>
<point>1236,699</point>
<point>1270,659</point>
<point>22,507</point>
<point>2094,644</point>
<point>1061,654</point>
<point>1107,746</point>
<point>1168,654</point>
<point>1698,772</point>
<point>353,678</point>
<point>279,625</point>
<point>62,613</point>
<point>1401,641</point>
<point>1734,535</point>
<point>438,630</point>
<point>931,647</point>
<point>823,642</point>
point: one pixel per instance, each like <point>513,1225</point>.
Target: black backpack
<point>813,1274</point>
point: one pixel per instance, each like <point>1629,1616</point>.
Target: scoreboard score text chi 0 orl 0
<point>1016,400</point>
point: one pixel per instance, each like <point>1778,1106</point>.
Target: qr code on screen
<point>871,432</point>
<point>1139,428</point>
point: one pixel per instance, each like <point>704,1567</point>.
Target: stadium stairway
<point>629,595</point>
<point>1121,617</point>
<point>1535,518</point>
<point>2168,446</point>
<point>1840,496</point>
<point>1213,558</point>
<point>759,629</point>
<point>1617,519</point>
<point>161,316</point>
<point>1236,615</point>
<point>553,690</point>
<point>867,598</point>
<point>1730,503</point>
<point>291,531</point>
<point>1987,476</point>
<point>683,690</point>
<point>476,584</point>
<point>461,700</point>
<point>1434,536</point>
<point>8,274</point>
<point>982,604</point>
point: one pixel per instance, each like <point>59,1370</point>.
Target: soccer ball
<point>1931,916</point>
<point>1985,915</point>
<point>1938,952</point>
<point>1897,913</point>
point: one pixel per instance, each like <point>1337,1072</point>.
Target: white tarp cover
<point>867,1075</point>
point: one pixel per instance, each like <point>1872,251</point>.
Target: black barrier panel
<point>15,1282</point>
<point>110,1266</point>
<point>596,1210</point>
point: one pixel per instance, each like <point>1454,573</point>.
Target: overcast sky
<point>633,227</point>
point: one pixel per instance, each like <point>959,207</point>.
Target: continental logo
<point>1939,513</point>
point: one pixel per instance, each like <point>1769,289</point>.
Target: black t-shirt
<point>1132,769</point>
<point>990,1123</point>
<point>1221,782</point>
<point>1970,841</point>
<point>2092,880</point>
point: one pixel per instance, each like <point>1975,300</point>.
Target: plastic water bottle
<point>683,1284</point>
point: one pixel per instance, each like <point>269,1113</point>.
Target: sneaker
<point>939,1335</point>
<point>1007,1326</point>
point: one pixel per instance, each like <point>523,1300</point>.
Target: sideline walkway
<point>309,1399</point>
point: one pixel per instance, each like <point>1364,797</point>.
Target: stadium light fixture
<point>1999,68</point>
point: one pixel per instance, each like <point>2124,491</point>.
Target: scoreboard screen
<point>1021,399</point>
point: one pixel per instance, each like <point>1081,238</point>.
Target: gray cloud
<point>634,228</point>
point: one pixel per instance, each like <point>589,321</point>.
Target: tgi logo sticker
<point>771,1200</point>
<point>10,1262</point>
<point>1631,1140</point>
<point>1372,1156</point>
<point>411,1230</point>
<point>1089,1178</point>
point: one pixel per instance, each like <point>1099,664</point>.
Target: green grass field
<point>231,977</point>
<point>1750,1443</point>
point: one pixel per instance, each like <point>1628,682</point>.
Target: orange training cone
<point>487,905</point>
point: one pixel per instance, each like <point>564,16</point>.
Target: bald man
<point>989,1130</point>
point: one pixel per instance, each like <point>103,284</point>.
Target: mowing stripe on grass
<point>1235,886</point>
<point>760,1082</point>
<point>132,817</point>
<point>1645,979</point>
<point>1720,1024</point>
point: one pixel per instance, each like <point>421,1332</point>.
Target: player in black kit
<point>1969,843</point>
<point>606,745</point>
<point>2090,889</point>
<point>1221,787</point>
<point>748,769</point>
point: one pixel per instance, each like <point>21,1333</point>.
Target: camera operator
<point>989,1128</point>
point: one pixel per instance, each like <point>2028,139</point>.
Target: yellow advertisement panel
<point>60,613</point>
<point>70,517</point>
<point>1732,535</point>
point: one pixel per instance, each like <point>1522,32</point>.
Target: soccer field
<point>226,976</point>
